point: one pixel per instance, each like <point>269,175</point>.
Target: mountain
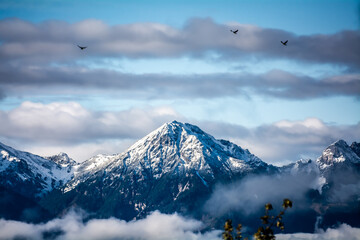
<point>24,179</point>
<point>15,206</point>
<point>356,148</point>
<point>174,168</point>
<point>30,175</point>
<point>339,154</point>
<point>339,165</point>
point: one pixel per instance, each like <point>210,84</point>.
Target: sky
<point>151,62</point>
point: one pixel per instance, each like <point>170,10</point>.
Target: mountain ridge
<point>176,153</point>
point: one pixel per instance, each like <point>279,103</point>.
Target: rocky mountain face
<point>356,148</point>
<point>339,154</point>
<point>30,175</point>
<point>174,168</point>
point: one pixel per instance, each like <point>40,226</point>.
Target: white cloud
<point>70,122</point>
<point>344,231</point>
<point>253,192</point>
<point>285,141</point>
<point>309,123</point>
<point>155,226</point>
<point>46,129</point>
<point>77,151</point>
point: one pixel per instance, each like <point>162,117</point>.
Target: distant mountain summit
<point>62,159</point>
<point>340,164</point>
<point>339,153</point>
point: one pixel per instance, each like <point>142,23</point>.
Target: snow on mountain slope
<point>30,174</point>
<point>89,168</point>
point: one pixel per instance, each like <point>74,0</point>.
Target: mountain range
<point>175,168</point>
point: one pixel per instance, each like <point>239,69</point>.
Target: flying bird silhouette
<point>82,48</point>
<point>284,43</point>
<point>234,32</point>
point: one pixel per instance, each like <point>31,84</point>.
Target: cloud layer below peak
<point>156,226</point>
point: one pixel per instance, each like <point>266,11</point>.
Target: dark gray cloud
<point>41,58</point>
<point>56,40</point>
<point>2,94</point>
<point>275,83</point>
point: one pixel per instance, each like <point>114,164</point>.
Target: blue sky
<point>298,16</point>
<point>150,62</point>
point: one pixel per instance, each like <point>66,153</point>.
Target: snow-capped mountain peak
<point>62,159</point>
<point>187,146</point>
<point>336,153</point>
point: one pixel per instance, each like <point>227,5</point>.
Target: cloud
<point>43,58</point>
<point>57,40</point>
<point>79,80</point>
<point>343,231</point>
<point>70,122</point>
<point>2,94</point>
<point>71,227</point>
<point>284,141</point>
<point>252,193</point>
<point>47,129</point>
<point>156,226</point>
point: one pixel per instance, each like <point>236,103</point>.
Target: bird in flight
<point>234,32</point>
<point>284,43</point>
<point>82,48</point>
